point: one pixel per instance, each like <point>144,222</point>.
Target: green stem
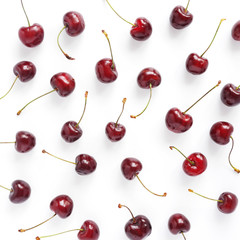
<point>191,162</point>
<point>183,235</point>
<point>25,13</point>
<point>216,200</point>
<point>37,238</point>
<point>6,188</point>
<point>187,6</point>
<point>235,169</point>
<point>7,142</point>
<point>120,206</point>
<point>44,151</point>
<point>123,101</point>
<point>113,64</point>
<point>237,87</point>
<point>10,88</point>
<point>85,105</point>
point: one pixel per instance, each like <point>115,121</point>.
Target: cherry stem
<point>38,238</point>
<point>44,151</point>
<point>106,35</point>
<point>123,101</point>
<point>6,142</point>
<point>119,15</point>
<point>219,82</point>
<point>163,195</point>
<point>135,116</point>
<point>120,206</point>
<point>25,13</point>
<point>237,87</point>
<point>24,230</point>
<point>10,190</point>
<point>19,112</point>
<point>65,54</point>
<point>86,95</point>
<point>235,169</point>
<point>191,162</point>
<point>214,36</point>
<point>187,6</point>
<point>190,190</point>
<point>183,235</point>
<point>10,88</point>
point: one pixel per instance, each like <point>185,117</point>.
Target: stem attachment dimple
<point>10,88</point>
<point>56,234</point>
<point>229,156</point>
<point>85,105</point>
<point>187,6</point>
<point>191,162</point>
<point>216,200</point>
<point>106,35</point>
<point>25,13</point>
<point>120,206</point>
<point>123,101</point>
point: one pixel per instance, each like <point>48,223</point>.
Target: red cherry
<point>236,31</point>
<point>230,95</point>
<point>25,141</point>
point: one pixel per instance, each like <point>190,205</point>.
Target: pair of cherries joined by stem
<point>230,95</point>
<point>61,205</point>
<point>62,83</point>
<point>138,227</point>
<point>179,122</point>
<point>196,64</point>
<point>32,35</point>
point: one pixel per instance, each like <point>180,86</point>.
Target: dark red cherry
<point>196,64</point>
<point>178,224</point>
<point>20,191</point>
<point>228,202</point>
<point>25,71</point>
<point>131,167</point>
<point>115,132</point>
<point>85,164</point>
<point>71,131</point>
<point>25,141</point>
<point>62,205</point>
<point>89,231</point>
<point>141,30</point>
<point>236,31</point>
<point>230,95</point>
<point>149,76</point>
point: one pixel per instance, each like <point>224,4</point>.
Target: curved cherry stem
<point>216,200</point>
<point>120,206</point>
<point>119,15</point>
<point>44,151</point>
<point>162,195</point>
<point>191,162</point>
<point>123,101</point>
<point>10,88</point>
<point>6,188</point>
<point>85,105</point>
<point>56,234</point>
<point>65,54</point>
<point>187,6</point>
<point>135,116</point>
<point>19,112</point>
<point>219,82</point>
<point>24,230</point>
<point>106,35</point>
<point>229,156</point>
<point>214,36</point>
<point>25,14</point>
<point>183,235</point>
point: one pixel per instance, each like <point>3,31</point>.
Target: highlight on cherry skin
<point>61,205</point>
<point>105,69</point>
<point>141,30</point>
<point>32,35</point>
<point>138,227</point>
<point>62,83</point>
<point>131,168</point>
<point>230,95</point>
<point>84,163</point>
<point>74,25</point>
<point>196,64</point>
<point>226,203</point>
<point>88,231</point>
<point>71,130</point>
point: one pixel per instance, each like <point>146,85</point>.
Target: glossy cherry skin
<point>221,132</point>
<point>228,204</point>
<point>25,71</point>
<point>74,23</point>
<point>179,18</point>
<point>199,164</point>
<point>141,30</point>
<point>20,191</point>
<point>230,95</point>
<point>196,64</point>
<point>149,76</point>
<point>138,229</point>
<point>131,167</point>
<point>25,141</point>
<point>62,205</point>
<point>178,122</point>
<point>115,133</point>
<point>105,71</point>
<point>178,223</point>
<point>85,164</point>
<point>71,131</point>
<point>90,231</point>
<point>64,83</point>
<point>236,31</point>
<point>31,36</point>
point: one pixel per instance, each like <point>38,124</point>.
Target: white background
<point>96,196</point>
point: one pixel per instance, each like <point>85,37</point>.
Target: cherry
<point>148,78</point>
<point>71,130</point>
<point>236,31</point>
<point>141,29</point>
<point>62,83</point>
<point>106,68</point>
<point>32,35</point>
<point>179,122</point>
<point>194,164</point>
<point>226,203</point>
<point>61,205</point>
<point>230,95</point>
<point>131,167</point>
<point>181,17</point>
<point>178,224</point>
<point>85,164</point>
<point>138,227</point>
<point>116,131</point>
<point>19,192</point>
<point>74,25</point>
<point>196,64</point>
